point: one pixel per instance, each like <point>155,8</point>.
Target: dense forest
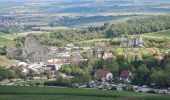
<point>60,38</point>
<point>10,29</point>
<point>139,26</point>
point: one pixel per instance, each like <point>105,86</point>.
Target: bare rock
<point>135,41</point>
<point>14,53</point>
<point>34,51</point>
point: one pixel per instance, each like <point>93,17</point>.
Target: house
<point>167,46</point>
<point>44,77</point>
<point>108,55</point>
<point>87,48</point>
<point>124,76</point>
<point>101,44</point>
<point>54,67</point>
<point>36,65</point>
<point>105,55</point>
<point>70,45</point>
<point>103,74</point>
<point>24,71</point>
<point>54,64</point>
<point>76,48</point>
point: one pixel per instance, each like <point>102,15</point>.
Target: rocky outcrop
<point>32,52</point>
<point>14,53</point>
<point>135,41</point>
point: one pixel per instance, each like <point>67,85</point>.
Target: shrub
<point>113,88</point>
<point>38,83</point>
<point>59,82</point>
<point>6,74</point>
<point>128,88</point>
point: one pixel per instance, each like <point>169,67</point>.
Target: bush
<point>6,74</point>
<point>59,82</point>
<point>2,51</point>
<point>151,91</point>
<point>113,88</point>
<point>128,88</point>
<point>38,83</point>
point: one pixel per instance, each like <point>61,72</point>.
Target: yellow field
<point>5,62</point>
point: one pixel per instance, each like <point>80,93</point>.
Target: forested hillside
<point>139,26</point>
<point>130,27</point>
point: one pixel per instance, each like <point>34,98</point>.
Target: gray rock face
<point>32,52</point>
<point>136,41</point>
<point>14,53</point>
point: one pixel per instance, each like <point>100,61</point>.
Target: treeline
<point>152,72</point>
<point>139,26</point>
<point>60,81</point>
<point>10,29</point>
<point>62,37</point>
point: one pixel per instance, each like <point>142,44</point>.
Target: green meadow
<point>54,93</point>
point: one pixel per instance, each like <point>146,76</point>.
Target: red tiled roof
<point>159,57</point>
<point>124,74</point>
<point>101,73</point>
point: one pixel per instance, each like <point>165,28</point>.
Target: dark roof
<point>101,73</point>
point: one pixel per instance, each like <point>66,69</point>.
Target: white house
<point>103,74</point>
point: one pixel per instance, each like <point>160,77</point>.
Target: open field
<point>93,41</point>
<point>30,32</point>
<point>118,20</point>
<point>46,93</point>
<point>158,35</point>
<point>54,28</point>
<point>6,62</point>
<point>6,40</point>
<point>51,97</point>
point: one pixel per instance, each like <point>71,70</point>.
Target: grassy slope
<point>158,35</point>
<point>51,97</point>
<point>155,35</point>
<point>6,62</point>
<point>37,93</point>
<point>6,40</point>
<point>113,21</point>
<point>93,41</point>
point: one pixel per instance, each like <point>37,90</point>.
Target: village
<point>44,64</point>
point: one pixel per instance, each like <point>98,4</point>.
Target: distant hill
<point>81,0</point>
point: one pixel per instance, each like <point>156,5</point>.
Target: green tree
<point>158,78</point>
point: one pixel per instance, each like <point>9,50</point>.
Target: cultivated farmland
<point>46,93</point>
